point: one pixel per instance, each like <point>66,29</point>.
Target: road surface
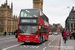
<point>10,43</point>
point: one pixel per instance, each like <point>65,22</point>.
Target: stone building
<point>8,22</point>
<point>70,21</point>
<point>55,27</point>
<point>38,4</point>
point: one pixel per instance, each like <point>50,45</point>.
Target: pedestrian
<point>64,36</point>
<point>5,33</point>
<point>73,34</point>
<point>9,33</point>
<point>70,34</point>
<point>16,33</point>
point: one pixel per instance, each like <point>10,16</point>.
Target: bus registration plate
<point>27,41</point>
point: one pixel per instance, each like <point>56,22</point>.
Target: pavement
<point>69,45</point>
<point>7,34</point>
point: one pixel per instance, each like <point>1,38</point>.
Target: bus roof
<point>37,9</point>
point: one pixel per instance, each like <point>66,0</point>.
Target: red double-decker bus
<point>33,26</point>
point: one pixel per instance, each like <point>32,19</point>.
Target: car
<point>55,33</point>
<point>50,33</point>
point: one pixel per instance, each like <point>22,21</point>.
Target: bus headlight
<point>18,36</point>
<point>36,36</point>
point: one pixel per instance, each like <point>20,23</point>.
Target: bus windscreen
<point>28,29</point>
<point>29,13</point>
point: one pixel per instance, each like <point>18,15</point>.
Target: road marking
<point>49,43</point>
<point>11,46</point>
<point>44,48</point>
<point>27,46</point>
<point>55,48</point>
<point>37,47</point>
<point>61,43</point>
<point>54,38</point>
<point>51,46</point>
<point>24,46</point>
<point>33,47</point>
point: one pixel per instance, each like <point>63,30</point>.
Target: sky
<point>55,10</point>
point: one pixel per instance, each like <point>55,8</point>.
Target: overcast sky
<point>56,10</point>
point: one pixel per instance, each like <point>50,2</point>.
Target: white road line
<point>61,43</point>
<point>44,48</point>
<point>11,46</point>
<point>24,46</point>
<point>51,46</point>
<point>32,46</point>
<point>37,47</point>
<point>54,38</point>
<point>49,43</point>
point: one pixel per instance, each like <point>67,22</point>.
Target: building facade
<point>8,22</point>
<point>70,21</point>
<point>55,27</point>
<point>38,4</point>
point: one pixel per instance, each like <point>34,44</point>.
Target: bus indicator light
<point>39,27</point>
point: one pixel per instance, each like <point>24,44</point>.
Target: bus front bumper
<point>29,40</point>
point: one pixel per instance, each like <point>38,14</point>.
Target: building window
<point>1,29</point>
<point>71,18</point>
<point>71,25</point>
<point>2,22</point>
<point>2,13</point>
<point>74,25</point>
<point>71,21</point>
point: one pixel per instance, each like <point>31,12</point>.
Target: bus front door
<point>39,35</point>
